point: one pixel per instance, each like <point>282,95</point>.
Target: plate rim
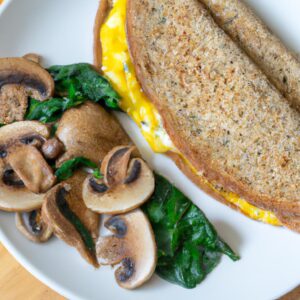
<point>20,258</point>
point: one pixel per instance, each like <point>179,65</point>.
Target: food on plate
<point>32,225</point>
<point>199,98</point>
<point>64,211</point>
<point>127,183</point>
<point>25,174</point>
<point>19,79</point>
<point>53,148</point>
<point>279,63</point>
<point>133,245</point>
<point>84,129</point>
<point>186,254</point>
<point>70,161</point>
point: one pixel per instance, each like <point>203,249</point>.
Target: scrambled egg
<point>118,69</point>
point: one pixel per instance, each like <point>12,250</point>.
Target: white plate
<point>61,30</point>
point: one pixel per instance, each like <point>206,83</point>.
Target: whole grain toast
<point>218,107</point>
<point>279,63</point>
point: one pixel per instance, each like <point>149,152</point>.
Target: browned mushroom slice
<point>25,132</point>
<point>31,167</point>
<point>14,195</point>
<point>136,189</point>
<point>19,79</point>
<point>71,221</point>
<point>31,225</point>
<point>33,57</point>
<point>89,131</point>
<point>115,164</point>
<point>89,219</point>
<point>132,245</point>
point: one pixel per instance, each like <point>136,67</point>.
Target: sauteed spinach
<point>67,169</point>
<point>85,82</point>
<point>50,110</point>
<point>188,245</point>
<point>74,84</point>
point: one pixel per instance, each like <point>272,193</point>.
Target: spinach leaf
<point>97,174</point>
<point>188,245</point>
<point>68,168</point>
<point>50,110</point>
<point>84,81</point>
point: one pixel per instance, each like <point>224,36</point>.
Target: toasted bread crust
<point>271,55</point>
<point>291,222</point>
<point>199,181</point>
<point>266,106</point>
<point>101,14</point>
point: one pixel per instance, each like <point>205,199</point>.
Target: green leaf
<point>188,245</point>
<point>50,110</point>
<point>53,129</point>
<point>84,81</point>
<point>68,168</point>
<point>97,174</point>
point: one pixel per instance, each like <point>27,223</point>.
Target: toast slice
<point>279,63</point>
<point>219,109</point>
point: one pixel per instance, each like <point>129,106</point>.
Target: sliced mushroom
<point>136,189</point>
<point>21,78</point>
<point>33,226</point>
<point>115,164</point>
<point>65,212</point>
<point>132,245</point>
<point>22,167</point>
<point>89,131</point>
<point>32,169</point>
<point>13,194</point>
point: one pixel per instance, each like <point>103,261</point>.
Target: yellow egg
<point>118,69</point>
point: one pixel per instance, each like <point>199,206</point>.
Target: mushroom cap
<point>25,72</point>
<point>18,130</point>
<point>62,227</point>
<point>24,225</point>
<point>115,165</point>
<point>21,78</point>
<point>19,200</point>
<point>136,189</point>
<point>89,131</point>
<point>133,245</point>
